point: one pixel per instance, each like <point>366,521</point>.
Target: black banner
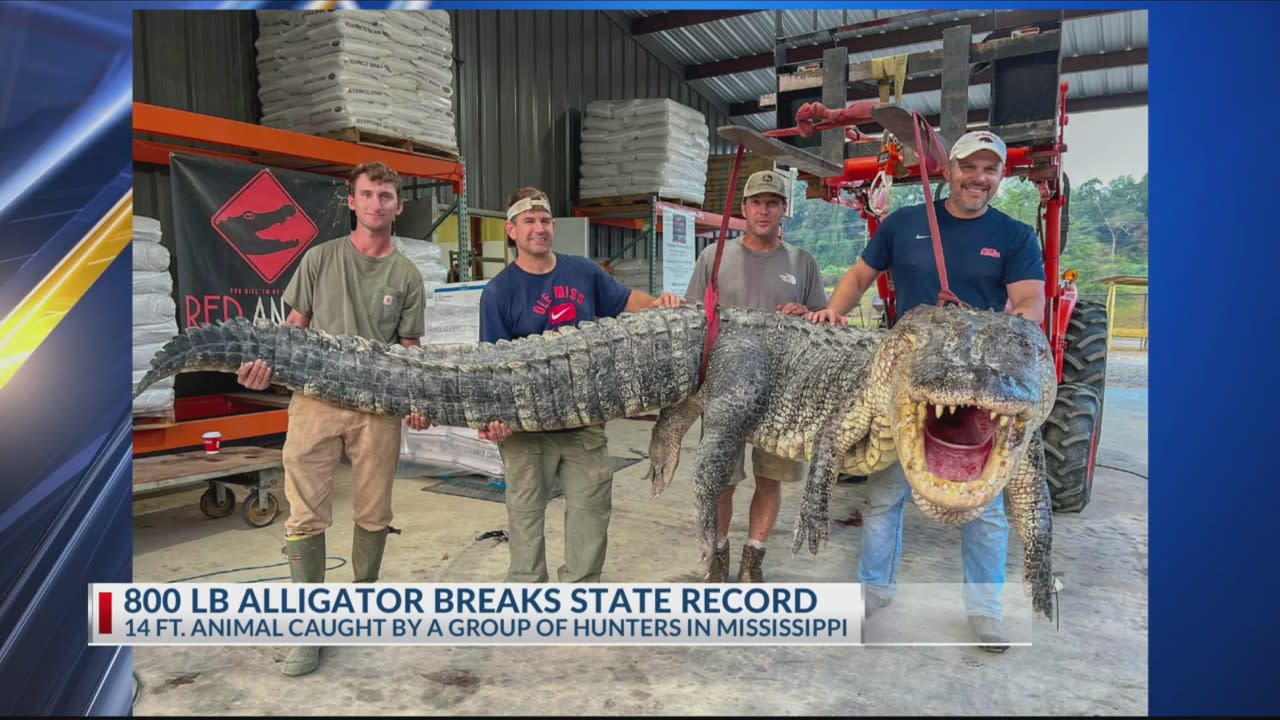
<point>240,230</point>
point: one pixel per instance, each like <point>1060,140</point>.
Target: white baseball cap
<point>971,142</point>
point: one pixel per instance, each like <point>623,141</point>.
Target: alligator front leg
<point>735,395</point>
<point>813,519</point>
<point>1028,506</point>
<point>665,440</point>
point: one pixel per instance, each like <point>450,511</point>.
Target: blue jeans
<point>984,544</point>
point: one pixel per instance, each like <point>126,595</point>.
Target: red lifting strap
<point>945,296</point>
<point>712,296</point>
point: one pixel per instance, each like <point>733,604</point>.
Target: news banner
<point>474,614</point>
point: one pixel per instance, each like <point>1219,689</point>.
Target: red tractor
<point>1077,331</point>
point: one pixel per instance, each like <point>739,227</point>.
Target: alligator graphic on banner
<point>240,230</point>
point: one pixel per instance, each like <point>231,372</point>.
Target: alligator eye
<point>249,215</point>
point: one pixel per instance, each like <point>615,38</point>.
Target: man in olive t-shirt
<point>361,286</point>
<point>758,270</point>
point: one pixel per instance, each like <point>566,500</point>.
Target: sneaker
<point>874,602</point>
<point>749,569</point>
<point>989,632</point>
<point>719,570</point>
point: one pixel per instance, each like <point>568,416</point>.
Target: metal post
<point>955,83</point>
<point>653,244</point>
<point>433,207</point>
<point>464,244</point>
<point>835,88</point>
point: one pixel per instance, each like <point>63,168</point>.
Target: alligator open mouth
<point>958,450</point>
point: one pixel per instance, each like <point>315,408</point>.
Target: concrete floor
<point>1094,663</point>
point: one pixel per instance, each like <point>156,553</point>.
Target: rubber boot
<point>718,572</point>
<point>366,554</point>
<point>749,570</point>
<point>306,565</point>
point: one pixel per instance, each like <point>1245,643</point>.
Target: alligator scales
<point>957,396</point>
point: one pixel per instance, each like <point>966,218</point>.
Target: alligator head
<point>967,391</point>
<point>244,230</point>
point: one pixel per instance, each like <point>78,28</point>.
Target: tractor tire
<point>1070,436</point>
<point>1084,359</point>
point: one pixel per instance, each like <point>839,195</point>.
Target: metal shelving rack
<point>243,415</point>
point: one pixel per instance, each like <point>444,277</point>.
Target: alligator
<point>956,395</point>
<point>243,230</point>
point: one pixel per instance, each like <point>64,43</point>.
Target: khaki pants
<point>531,461</point>
<point>766,465</point>
<point>318,435</point>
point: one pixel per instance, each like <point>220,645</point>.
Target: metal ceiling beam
<point>867,91</point>
<point>680,18</point>
<point>1074,105</point>
<point>897,38</point>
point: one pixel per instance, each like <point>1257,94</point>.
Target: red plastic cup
<point>212,442</point>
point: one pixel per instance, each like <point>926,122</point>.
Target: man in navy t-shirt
<point>993,262</point>
<point>541,291</point>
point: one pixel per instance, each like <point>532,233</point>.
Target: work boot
<point>749,569</point>
<point>366,554</point>
<point>719,570</point>
<point>306,565</point>
<point>989,632</point>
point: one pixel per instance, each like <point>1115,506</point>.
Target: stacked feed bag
<point>632,147</point>
<point>155,318</point>
<point>428,258</point>
<point>383,72</point>
<point>453,318</point>
<point>634,273</point>
<point>453,314</point>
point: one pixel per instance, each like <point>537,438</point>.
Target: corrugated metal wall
<point>202,61</point>
<point>523,81</point>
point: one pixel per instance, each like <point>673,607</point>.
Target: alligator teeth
<point>938,409</point>
<point>951,409</point>
<point>1004,420</point>
<point>993,414</point>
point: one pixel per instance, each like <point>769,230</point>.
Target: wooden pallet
<point>388,142</point>
<point>719,167</point>
<point>185,469</point>
<point>629,200</point>
<point>153,420</point>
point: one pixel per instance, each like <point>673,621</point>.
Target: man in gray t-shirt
<point>758,270</point>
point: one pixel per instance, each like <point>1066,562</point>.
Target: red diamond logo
<point>266,226</point>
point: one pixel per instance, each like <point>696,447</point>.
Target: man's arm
<point>638,301</point>
<point>856,281</point>
<point>1024,277</point>
<point>297,318</point>
<point>1027,299</point>
<point>256,375</point>
<point>415,421</point>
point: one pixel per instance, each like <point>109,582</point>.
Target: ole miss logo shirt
<point>516,303</point>
<point>984,255</point>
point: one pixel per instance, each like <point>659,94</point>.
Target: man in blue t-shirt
<point>993,262</point>
<point>540,291</point>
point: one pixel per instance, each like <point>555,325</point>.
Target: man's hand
<point>255,375</point>
<point>668,300</point>
<point>496,432</point>
<point>826,315</point>
<point>417,421</point>
<point>793,308</point>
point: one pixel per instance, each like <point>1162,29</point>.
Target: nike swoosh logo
<point>923,237</point>
<point>557,315</point>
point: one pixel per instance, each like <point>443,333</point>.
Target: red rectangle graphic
<point>104,613</point>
